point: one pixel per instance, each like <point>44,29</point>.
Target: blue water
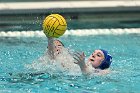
<point>124,76</point>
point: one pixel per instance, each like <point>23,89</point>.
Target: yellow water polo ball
<point>54,25</point>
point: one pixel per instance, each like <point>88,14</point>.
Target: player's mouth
<point>92,60</point>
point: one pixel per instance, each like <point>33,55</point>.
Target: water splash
<point>63,64</point>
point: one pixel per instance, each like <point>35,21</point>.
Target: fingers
<point>83,54</point>
<point>76,62</point>
<point>78,54</point>
<point>77,59</point>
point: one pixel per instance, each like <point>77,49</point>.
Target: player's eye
<point>99,55</point>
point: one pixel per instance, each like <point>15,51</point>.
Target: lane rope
<point>77,32</point>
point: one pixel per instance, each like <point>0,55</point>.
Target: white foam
<point>78,32</point>
<point>64,63</point>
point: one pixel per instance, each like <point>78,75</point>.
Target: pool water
<point>16,52</point>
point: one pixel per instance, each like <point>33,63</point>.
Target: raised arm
<point>80,58</point>
<point>51,47</point>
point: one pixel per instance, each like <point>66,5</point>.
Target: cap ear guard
<point>107,60</point>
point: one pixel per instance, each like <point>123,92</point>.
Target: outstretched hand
<point>80,60</point>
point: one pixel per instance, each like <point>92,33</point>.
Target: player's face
<point>58,46</point>
<point>96,58</point>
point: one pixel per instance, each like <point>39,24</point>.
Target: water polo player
<point>99,60</point>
